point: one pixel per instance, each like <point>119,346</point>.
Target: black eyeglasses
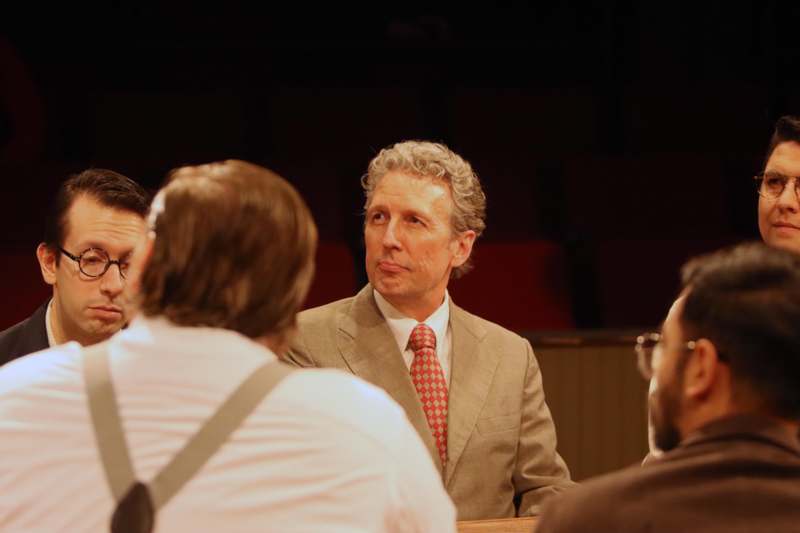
<point>94,262</point>
<point>771,184</point>
<point>648,352</point>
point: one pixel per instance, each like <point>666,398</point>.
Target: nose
<point>788,201</point>
<point>390,237</point>
<point>112,283</point>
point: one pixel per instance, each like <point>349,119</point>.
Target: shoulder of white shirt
<point>38,367</point>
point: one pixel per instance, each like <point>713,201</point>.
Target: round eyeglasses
<point>771,184</point>
<point>649,351</point>
<point>94,262</point>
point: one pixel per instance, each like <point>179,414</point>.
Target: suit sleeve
<point>540,471</point>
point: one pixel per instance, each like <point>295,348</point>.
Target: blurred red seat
<point>519,285</point>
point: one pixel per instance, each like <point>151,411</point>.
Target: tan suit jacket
<point>501,442</point>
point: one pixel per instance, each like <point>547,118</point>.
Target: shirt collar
<point>744,425</point>
<point>401,325</point>
<point>160,331</point>
<point>51,340</point>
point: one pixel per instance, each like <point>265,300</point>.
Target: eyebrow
<point>416,213</point>
<point>97,246</point>
<point>776,173</point>
<point>405,212</point>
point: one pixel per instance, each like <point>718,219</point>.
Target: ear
<point>139,260</point>
<point>463,247</point>
<point>703,372</point>
<point>47,262</point>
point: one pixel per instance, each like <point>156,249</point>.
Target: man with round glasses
<point>725,409</point>
<point>94,224</point>
<point>779,187</point>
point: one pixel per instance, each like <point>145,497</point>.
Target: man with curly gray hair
<point>471,388</point>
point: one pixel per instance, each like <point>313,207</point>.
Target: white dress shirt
<point>51,339</point>
<point>402,326</point>
<point>325,452</point>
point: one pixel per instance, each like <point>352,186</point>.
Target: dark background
<point>614,140</point>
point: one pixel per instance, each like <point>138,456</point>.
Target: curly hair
<point>435,161</point>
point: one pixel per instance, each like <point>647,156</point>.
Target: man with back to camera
<point>472,389</point>
<point>725,409</point>
<point>94,223</point>
<point>224,268</point>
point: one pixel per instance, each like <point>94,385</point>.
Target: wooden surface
<point>597,399</point>
<point>502,525</point>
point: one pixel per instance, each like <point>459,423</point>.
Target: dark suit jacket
<point>501,442</point>
<point>734,475</point>
<point>28,336</point>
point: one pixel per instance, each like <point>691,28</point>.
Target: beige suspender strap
<point>216,431</point>
<point>194,454</point>
<point>105,418</point>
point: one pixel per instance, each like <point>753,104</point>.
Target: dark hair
<point>106,186</point>
<point>787,129</point>
<point>746,301</point>
<point>234,249</point>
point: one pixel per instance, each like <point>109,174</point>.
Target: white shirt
<point>324,452</point>
<point>402,326</point>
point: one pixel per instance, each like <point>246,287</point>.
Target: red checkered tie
<point>428,378</point>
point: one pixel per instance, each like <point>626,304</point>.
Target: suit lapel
<point>36,330</point>
<point>368,347</point>
<point>472,370</point>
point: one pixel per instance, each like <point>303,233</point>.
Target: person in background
<point>94,223</point>
<point>778,190</point>
<point>779,187</point>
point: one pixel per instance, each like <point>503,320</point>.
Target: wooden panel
<point>562,389</point>
<point>503,525</point>
<point>598,403</point>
